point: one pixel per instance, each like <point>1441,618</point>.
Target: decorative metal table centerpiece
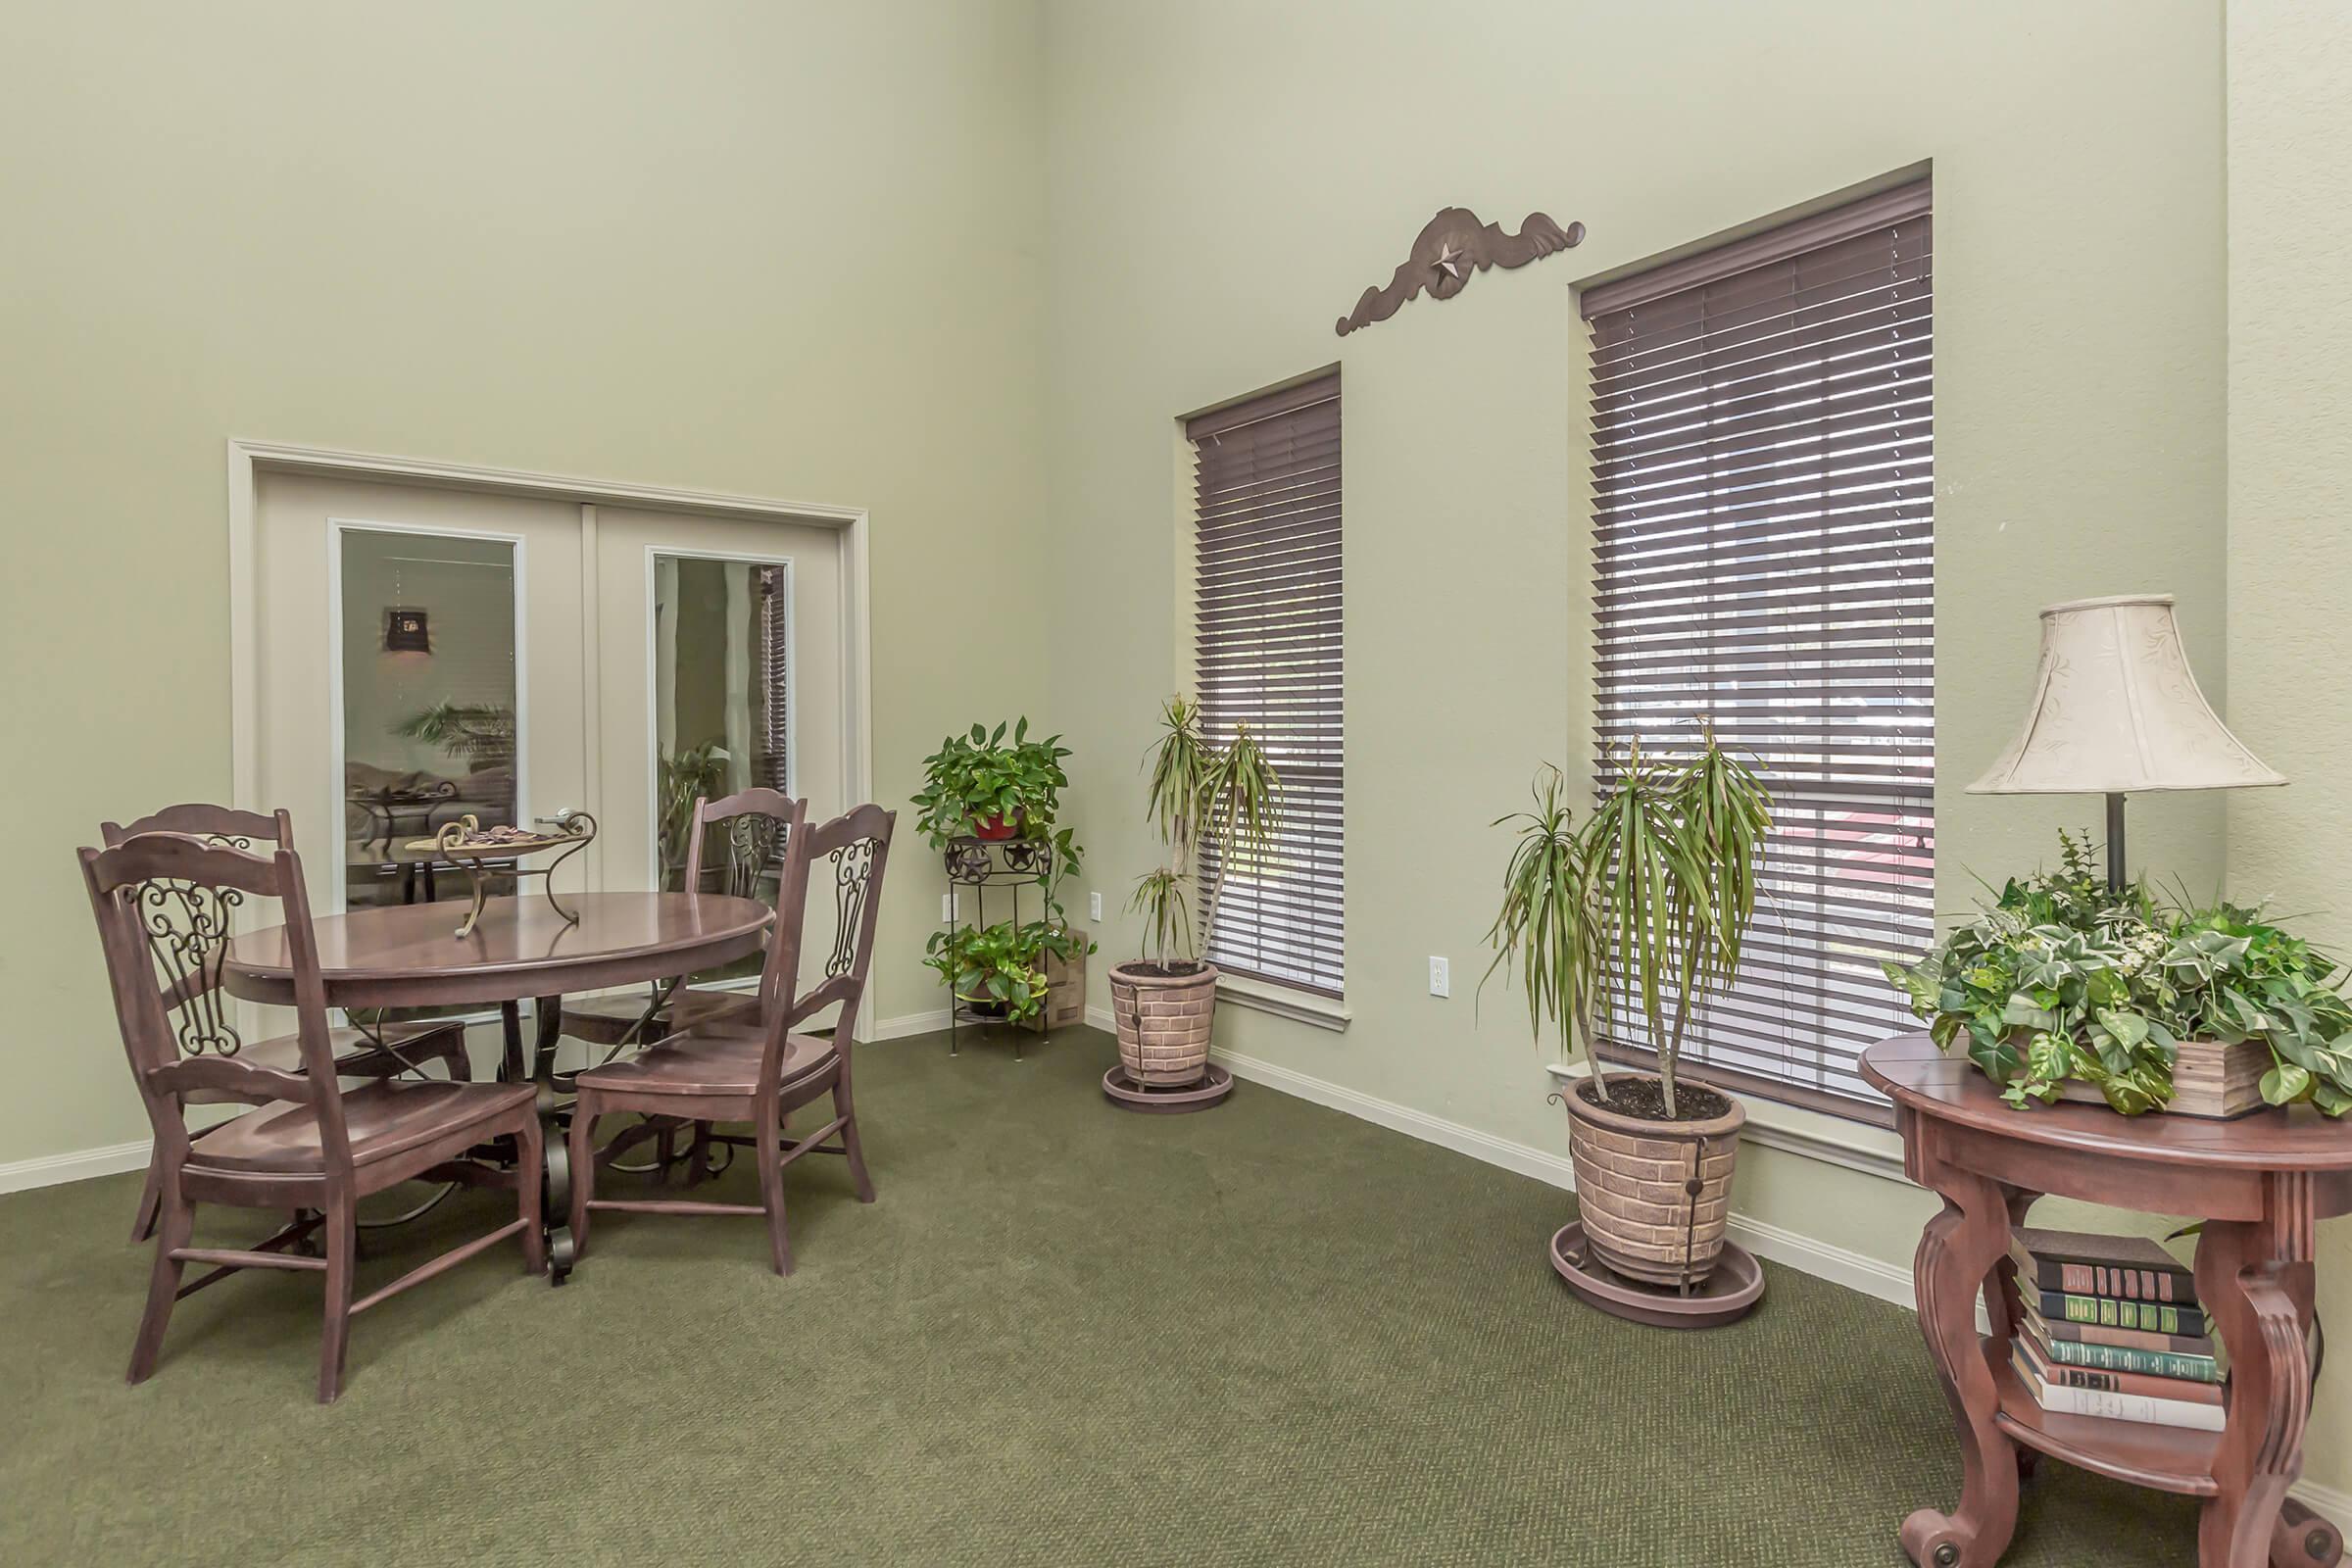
<point>474,848</point>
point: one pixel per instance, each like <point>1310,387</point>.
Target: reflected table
<point>408,958</point>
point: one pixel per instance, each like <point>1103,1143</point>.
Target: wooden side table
<point>2260,1184</point>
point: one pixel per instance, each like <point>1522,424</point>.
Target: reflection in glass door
<point>722,710</point>
<point>430,694</point>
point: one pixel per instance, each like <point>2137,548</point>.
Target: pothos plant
<point>1001,967</point>
<point>2059,978</point>
<point>1648,901</point>
<point>977,778</point>
<point>1225,800</point>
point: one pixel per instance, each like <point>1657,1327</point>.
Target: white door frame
<point>248,460</point>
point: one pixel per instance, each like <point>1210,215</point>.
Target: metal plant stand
<point>1008,865</point>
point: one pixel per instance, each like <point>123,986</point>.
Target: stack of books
<point>2112,1329</point>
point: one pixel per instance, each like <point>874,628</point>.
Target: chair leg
<point>851,1144</point>
<point>583,1171</point>
<point>175,1223</point>
<point>530,1141</point>
<point>771,1195</point>
<point>151,1202</point>
<point>342,1254</point>
<point>461,1065</point>
<point>698,1156</point>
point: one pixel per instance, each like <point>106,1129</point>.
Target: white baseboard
<point>908,1023</point>
<point>22,1175</point>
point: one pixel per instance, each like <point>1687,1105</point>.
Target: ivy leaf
<point>2285,1084</point>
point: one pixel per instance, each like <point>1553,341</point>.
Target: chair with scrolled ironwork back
<point>379,1053</point>
<point>712,1072</point>
<point>164,903</point>
<point>750,827</point>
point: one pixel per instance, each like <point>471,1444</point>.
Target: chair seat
<point>700,1062</point>
<point>383,1118</point>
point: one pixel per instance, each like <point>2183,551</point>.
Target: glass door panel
<point>430,705</point>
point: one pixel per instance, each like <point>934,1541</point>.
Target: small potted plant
<point>997,971</point>
<point>1227,798</point>
<point>1646,905</point>
<point>979,786</point>
<point>2062,989</point>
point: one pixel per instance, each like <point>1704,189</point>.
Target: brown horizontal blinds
<point>1764,534</point>
<point>775,685</point>
<point>1266,625</point>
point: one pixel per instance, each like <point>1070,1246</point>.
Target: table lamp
<point>2115,710</point>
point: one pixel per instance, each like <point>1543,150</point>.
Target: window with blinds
<point>774,655</point>
<point>1764,533</point>
<point>1266,624</point>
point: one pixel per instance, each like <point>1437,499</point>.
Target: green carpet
<point>1065,1334</point>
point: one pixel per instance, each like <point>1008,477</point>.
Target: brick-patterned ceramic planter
<point>1164,1022</point>
<point>1632,1183</point>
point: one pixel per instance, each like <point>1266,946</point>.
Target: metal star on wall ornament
<point>1449,249</point>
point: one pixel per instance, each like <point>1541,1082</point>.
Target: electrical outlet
<point>1093,907</point>
<point>947,908</point>
<point>1440,978</point>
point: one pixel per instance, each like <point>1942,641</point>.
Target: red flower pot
<point>996,828</point>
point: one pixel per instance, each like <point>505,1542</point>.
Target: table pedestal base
<point>554,1173</point>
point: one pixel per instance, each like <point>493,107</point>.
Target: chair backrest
<point>753,828</point>
<point>845,859</point>
<point>164,902</point>
<point>224,825</point>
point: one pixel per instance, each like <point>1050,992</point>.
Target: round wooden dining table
<point>407,956</point>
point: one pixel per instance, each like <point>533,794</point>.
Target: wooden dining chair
<point>710,1072</point>
<point>751,826</point>
<point>164,902</point>
<point>389,1050</point>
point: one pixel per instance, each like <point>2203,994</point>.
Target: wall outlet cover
<point>1440,978</point>
<point>1093,907</point>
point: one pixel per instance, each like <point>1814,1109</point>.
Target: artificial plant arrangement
<point>978,786</point>
<point>2065,988</point>
<point>1224,800</point>
<point>1643,908</point>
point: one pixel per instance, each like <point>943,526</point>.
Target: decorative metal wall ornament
<point>1449,248</point>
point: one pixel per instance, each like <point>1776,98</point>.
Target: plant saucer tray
<point>473,849</point>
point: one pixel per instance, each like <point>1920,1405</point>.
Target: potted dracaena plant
<point>1218,802</point>
<point>1642,911</point>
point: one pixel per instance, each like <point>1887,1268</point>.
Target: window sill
<point>1301,1006</point>
<point>1873,1150</point>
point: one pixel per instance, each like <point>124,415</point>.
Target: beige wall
<point>785,250</point>
<point>2291,477</point>
<point>1215,209</point>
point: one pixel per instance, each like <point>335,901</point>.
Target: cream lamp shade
<point>2115,710</point>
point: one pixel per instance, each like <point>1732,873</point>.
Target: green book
<point>2116,1358</point>
<point>2154,1317</point>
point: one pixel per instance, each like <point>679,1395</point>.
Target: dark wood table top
<point>1951,1088</point>
<point>410,956</point>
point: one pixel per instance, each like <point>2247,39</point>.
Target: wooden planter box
<point>1065,990</point>
<point>2214,1080</point>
